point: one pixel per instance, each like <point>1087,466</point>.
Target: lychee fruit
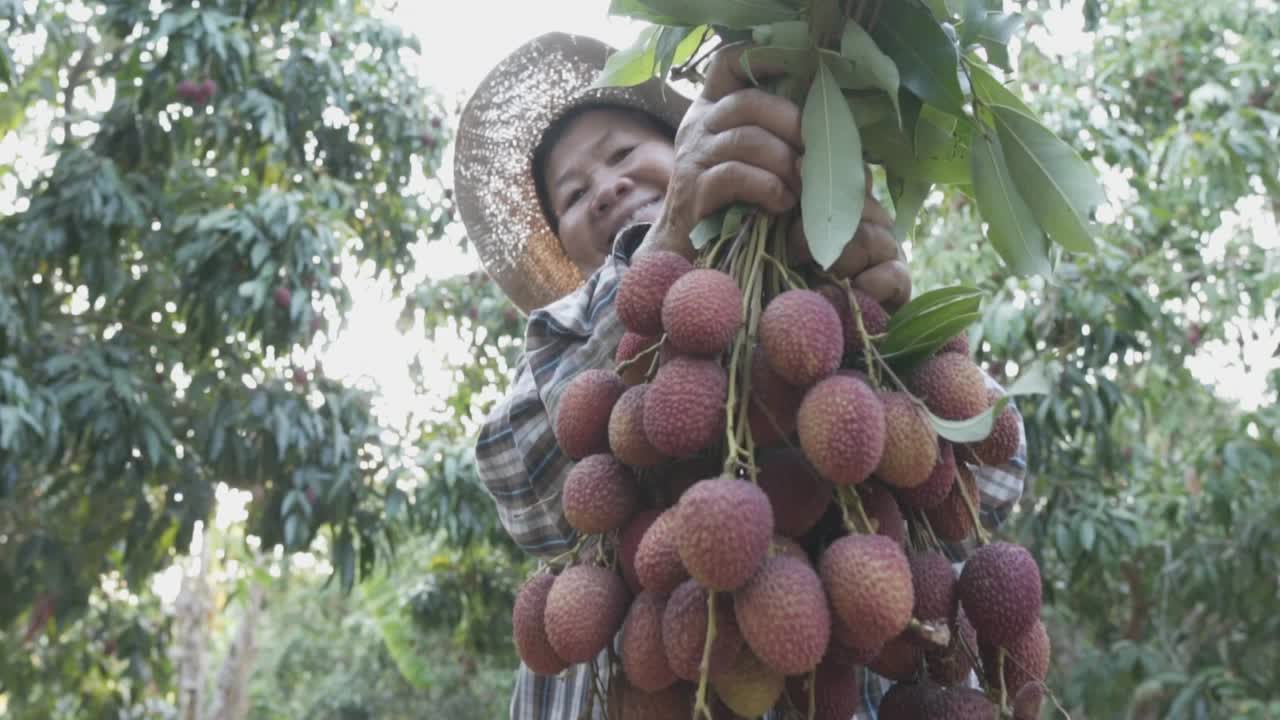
<point>953,665</point>
<point>950,519</point>
<point>684,406</point>
<point>875,320</point>
<point>627,702</point>
<point>644,286</point>
<point>797,493</point>
<point>868,579</point>
<point>1000,591</point>
<point>684,631</point>
<point>1026,704</point>
<point>658,565</point>
<point>783,614</point>
<point>883,511</point>
<point>934,583</point>
<point>842,429</point>
<point>585,607</point>
<point>702,312</point>
<point>626,430</point>
<point>1002,444</point>
<point>774,404</point>
<point>898,660</point>
<point>958,344</point>
<point>723,527</point>
<point>959,703</point>
<point>629,543</point>
<point>910,443</point>
<point>529,629</point>
<point>633,346</point>
<point>801,336</point>
<point>599,495</point>
<point>643,658</point>
<point>935,488</point>
<point>749,687</point>
<point>836,690</point>
<point>1026,659</point>
<point>951,386</point>
<point>906,701</point>
<point>282,297</point>
<point>582,416</point>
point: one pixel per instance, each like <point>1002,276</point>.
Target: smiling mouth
<point>644,213</point>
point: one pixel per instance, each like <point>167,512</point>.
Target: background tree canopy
<point>214,175</point>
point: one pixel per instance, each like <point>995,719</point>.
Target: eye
<point>574,197</point>
<point>620,154</point>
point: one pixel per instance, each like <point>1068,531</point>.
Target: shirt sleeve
<point>517,457</point>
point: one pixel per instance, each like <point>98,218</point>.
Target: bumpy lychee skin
<point>658,565</point>
<point>1000,591</point>
<point>797,493</point>
<point>774,404</point>
<point>934,582</point>
<point>958,344</point>
<point>1001,445</point>
<point>910,443</point>
<point>950,519</point>
<point>951,386</point>
<point>585,608</point>
<point>1026,659</point>
<point>626,430</point>
<point>875,320</point>
<point>841,425</point>
<point>883,511</point>
<point>749,688</point>
<point>723,527</point>
<point>782,612</point>
<point>1026,704</point>
<point>684,406</point>
<point>582,417</point>
<point>530,631</point>
<point>643,658</point>
<point>643,288</point>
<point>959,703</point>
<point>684,631</point>
<point>702,311</point>
<point>599,495</point>
<point>632,346</point>
<point>952,665</point>
<point>898,660</point>
<point>801,336</point>
<point>868,579</point>
<point>629,545</point>
<point>935,488</point>
<point>836,691</point>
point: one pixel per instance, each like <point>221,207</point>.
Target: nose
<point>612,189</point>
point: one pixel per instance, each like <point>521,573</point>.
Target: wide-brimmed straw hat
<point>500,129</point>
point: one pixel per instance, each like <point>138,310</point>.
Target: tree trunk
<point>231,697</point>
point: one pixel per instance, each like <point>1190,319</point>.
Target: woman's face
<point>608,169</point>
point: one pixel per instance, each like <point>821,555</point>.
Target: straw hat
<point>501,127</point>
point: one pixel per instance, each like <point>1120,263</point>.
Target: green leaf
<point>1032,381</point>
<point>929,321</point>
<point>990,90</point>
<point>926,58</point>
<point>908,199</point>
<point>871,109</point>
<point>796,62</point>
<point>735,14</point>
<point>871,66</point>
<point>790,34</point>
<point>1011,227</point>
<point>707,230</point>
<point>676,46</point>
<point>631,65</point>
<point>834,183</point>
<point>1059,186</point>
<point>993,31</point>
<point>973,429</point>
<point>933,301</point>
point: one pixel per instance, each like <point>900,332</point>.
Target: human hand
<point>737,143</point>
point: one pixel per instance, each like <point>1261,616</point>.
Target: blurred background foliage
<point>194,516</point>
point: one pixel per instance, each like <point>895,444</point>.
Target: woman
<point>561,186</point>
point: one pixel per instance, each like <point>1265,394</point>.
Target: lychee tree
<point>171,259</point>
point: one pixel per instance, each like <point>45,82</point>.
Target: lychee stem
<point>700,706</point>
<point>813,692</point>
<point>847,496</point>
<point>938,635</point>
<point>1004,693</point>
<point>793,281</point>
<point>655,348</point>
<point>979,531</point>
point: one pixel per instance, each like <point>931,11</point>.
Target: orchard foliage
<point>169,269</point>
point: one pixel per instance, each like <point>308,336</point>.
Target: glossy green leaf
<point>932,301</point>
<point>791,34</point>
<point>1011,227</point>
<point>973,429</point>
<point>992,91</point>
<point>834,183</point>
<point>676,46</point>
<point>631,65</point>
<point>870,109</point>
<point>1058,185</point>
<point>707,230</point>
<point>908,198</point>
<point>993,31</point>
<point>926,58</point>
<point>871,67</point>
<point>929,321</point>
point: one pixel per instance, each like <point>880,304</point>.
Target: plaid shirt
<point>522,467</point>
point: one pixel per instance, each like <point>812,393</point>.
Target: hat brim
<point>498,133</point>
